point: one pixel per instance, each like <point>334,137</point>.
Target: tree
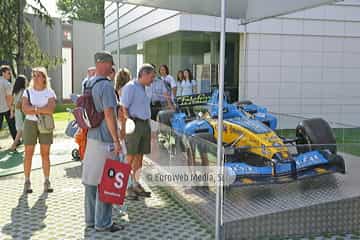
<point>84,10</point>
<point>18,42</point>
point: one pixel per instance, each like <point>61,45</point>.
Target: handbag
<point>45,122</point>
<point>114,181</point>
<point>72,129</point>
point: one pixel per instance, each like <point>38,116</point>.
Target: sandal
<point>27,187</point>
<point>47,187</point>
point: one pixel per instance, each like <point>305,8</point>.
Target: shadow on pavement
<point>22,215</point>
<point>10,159</point>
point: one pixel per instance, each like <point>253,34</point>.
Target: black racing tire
<point>203,146</point>
<point>164,131</point>
<point>164,117</point>
<point>206,136</point>
<point>191,144</point>
<point>244,102</point>
<point>315,131</point>
<point>337,161</point>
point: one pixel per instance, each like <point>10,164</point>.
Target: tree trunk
<point>20,36</point>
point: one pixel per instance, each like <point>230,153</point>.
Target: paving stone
<point>60,215</point>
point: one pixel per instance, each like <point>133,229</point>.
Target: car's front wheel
<point>315,134</point>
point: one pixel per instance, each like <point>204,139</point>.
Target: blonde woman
<point>38,99</point>
<point>122,77</point>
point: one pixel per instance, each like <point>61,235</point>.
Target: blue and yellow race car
<point>254,152</point>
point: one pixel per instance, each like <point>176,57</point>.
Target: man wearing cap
<point>90,74</point>
<point>98,214</point>
<point>136,106</point>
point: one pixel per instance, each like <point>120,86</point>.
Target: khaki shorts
<point>31,134</point>
<point>139,142</point>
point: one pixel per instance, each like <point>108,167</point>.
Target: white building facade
<point>303,64</point>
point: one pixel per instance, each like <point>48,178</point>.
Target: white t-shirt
<point>171,81</point>
<point>187,87</point>
<point>5,90</point>
<point>178,88</point>
<point>38,99</point>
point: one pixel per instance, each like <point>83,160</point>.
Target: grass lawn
<point>11,162</point>
<point>61,117</point>
<point>347,139</point>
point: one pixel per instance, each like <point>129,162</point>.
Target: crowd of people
<point>119,97</point>
<point>165,88</point>
<point>126,98</point>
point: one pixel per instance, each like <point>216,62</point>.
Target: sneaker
<point>89,227</point>
<point>114,228</point>
<point>140,191</point>
<point>27,187</point>
<point>47,187</point>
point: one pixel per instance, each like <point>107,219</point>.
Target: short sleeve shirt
<point>172,83</point>
<point>104,97</point>
<point>135,99</point>
<point>5,90</point>
<point>158,90</point>
<point>38,99</point>
<point>187,87</point>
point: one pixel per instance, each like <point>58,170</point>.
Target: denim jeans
<point>97,213</point>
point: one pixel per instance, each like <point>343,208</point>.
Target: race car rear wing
<point>193,100</point>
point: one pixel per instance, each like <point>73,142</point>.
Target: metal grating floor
<point>326,204</point>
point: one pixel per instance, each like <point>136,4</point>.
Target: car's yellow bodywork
<point>264,145</point>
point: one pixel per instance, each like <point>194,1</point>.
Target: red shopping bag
<point>114,181</point>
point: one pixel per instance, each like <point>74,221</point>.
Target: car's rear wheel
<point>244,102</point>
<point>164,117</point>
<point>315,134</point>
<point>164,134</point>
<point>197,142</point>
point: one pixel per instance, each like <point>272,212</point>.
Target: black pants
<point>10,122</point>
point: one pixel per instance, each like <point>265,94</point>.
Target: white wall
<point>50,41</point>
<point>307,63</point>
<point>87,40</point>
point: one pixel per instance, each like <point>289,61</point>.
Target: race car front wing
<point>309,164</point>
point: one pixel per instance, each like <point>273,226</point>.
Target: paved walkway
<point>11,162</point>
<point>60,215</point>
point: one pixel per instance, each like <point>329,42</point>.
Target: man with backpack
<point>102,133</point>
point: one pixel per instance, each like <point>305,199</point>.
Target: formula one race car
<point>253,150</point>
